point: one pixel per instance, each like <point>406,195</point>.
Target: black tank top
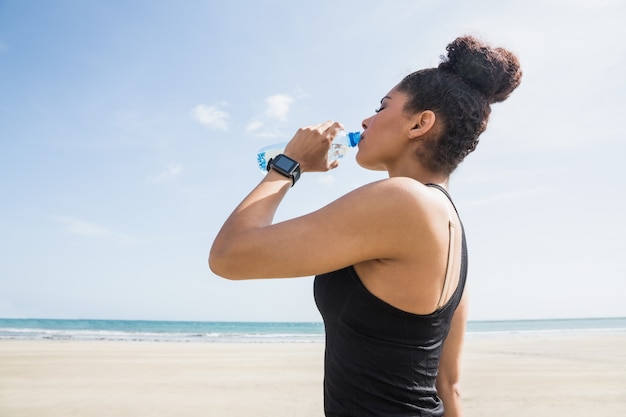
<point>380,360</point>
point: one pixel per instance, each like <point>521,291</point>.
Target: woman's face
<point>384,135</point>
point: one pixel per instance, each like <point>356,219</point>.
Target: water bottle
<point>338,148</point>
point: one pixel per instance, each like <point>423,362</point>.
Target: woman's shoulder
<point>398,195</point>
<point>401,189</point>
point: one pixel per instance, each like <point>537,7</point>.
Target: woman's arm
<point>380,220</point>
<point>449,375</point>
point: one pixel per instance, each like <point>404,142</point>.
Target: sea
<point>259,332</point>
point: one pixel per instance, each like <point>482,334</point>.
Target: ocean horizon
<point>260,332</point>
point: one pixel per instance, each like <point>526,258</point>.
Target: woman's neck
<point>419,173</point>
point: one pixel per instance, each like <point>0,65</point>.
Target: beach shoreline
<point>539,374</point>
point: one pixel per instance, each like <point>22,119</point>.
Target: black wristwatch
<point>286,166</point>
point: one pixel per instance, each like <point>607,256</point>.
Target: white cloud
<point>80,227</point>
<point>277,110</point>
<point>270,134</point>
<point>212,116</point>
<point>278,106</point>
<point>258,129</point>
<point>173,170</point>
<point>254,126</point>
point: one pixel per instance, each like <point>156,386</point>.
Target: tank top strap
<point>451,247</point>
<point>443,190</point>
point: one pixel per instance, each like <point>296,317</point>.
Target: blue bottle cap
<point>354,137</point>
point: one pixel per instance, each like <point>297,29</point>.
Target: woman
<point>390,257</point>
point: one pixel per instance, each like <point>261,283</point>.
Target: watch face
<point>285,164</point>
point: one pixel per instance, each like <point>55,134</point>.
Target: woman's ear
<point>424,122</point>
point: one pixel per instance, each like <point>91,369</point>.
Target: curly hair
<point>460,92</point>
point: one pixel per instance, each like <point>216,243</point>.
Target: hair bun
<point>495,72</point>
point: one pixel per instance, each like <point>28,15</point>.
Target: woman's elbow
<point>454,391</point>
<point>221,263</point>
<point>449,390</point>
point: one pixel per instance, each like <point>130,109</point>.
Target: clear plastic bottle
<point>342,142</point>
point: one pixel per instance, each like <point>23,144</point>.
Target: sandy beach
<point>536,375</point>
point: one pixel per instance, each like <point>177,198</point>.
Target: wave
<point>262,332</point>
<point>13,333</point>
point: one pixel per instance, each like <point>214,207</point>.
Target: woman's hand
<point>310,146</point>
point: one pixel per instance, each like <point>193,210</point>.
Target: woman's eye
<point>379,109</point>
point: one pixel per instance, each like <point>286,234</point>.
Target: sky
<point>129,131</point>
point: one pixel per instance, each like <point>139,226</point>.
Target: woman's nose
<point>365,122</point>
